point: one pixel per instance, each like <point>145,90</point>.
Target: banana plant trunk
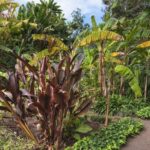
<point>107,98</point>
<point>146,82</point>
<point>112,81</point>
<point>102,77</point>
<point>121,90</point>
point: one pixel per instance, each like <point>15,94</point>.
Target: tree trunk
<point>146,81</point>
<point>107,104</point>
<point>105,89</point>
<point>102,77</point>
<point>145,88</point>
<point>121,90</point>
<point>112,82</point>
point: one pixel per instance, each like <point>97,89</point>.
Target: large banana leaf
<point>51,39</point>
<point>94,23</point>
<point>42,54</point>
<point>131,77</point>
<point>99,35</point>
<point>144,45</point>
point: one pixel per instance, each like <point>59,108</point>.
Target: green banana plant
<point>100,37</point>
<point>55,45</point>
<point>146,45</point>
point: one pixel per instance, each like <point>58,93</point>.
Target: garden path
<point>141,141</point>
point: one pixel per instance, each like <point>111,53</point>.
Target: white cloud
<point>88,7</point>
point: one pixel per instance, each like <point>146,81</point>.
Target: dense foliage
<point>144,113</point>
<point>120,105</point>
<point>110,138</point>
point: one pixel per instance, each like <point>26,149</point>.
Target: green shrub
<point>144,113</point>
<point>120,105</point>
<point>110,138</point>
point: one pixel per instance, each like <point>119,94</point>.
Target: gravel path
<point>141,141</point>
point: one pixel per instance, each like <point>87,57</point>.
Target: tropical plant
<point>120,105</point>
<point>131,77</point>
<point>10,28</point>
<point>49,19</point>
<point>132,23</point>
<point>146,45</point>
<point>144,113</point>
<point>51,95</point>
<point>100,37</point>
<point>110,138</point>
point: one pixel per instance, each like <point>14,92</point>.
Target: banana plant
<point>55,45</point>
<point>146,45</point>
<point>100,37</point>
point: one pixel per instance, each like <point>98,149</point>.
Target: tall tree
<point>77,25</point>
<point>49,19</point>
<point>126,8</point>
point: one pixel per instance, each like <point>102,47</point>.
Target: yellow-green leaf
<point>99,35</point>
<point>144,45</point>
<point>57,42</point>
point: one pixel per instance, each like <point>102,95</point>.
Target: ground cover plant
<point>10,140</point>
<point>111,137</point>
<point>144,113</point>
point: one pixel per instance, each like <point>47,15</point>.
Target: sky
<point>88,7</point>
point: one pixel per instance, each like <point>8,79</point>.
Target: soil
<point>141,141</point>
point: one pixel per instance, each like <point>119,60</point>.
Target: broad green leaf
<point>84,128</point>
<point>94,24</point>
<point>77,136</point>
<point>131,77</point>
<point>124,71</point>
<point>134,84</point>
<point>3,74</point>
